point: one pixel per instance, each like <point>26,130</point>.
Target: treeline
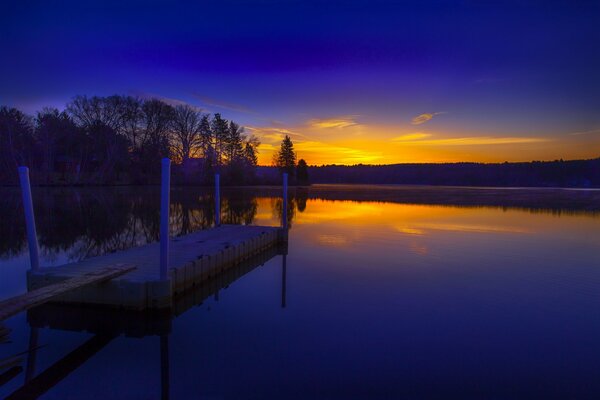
<point>85,222</point>
<point>121,139</point>
<point>575,173</point>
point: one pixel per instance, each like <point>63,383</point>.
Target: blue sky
<point>347,80</point>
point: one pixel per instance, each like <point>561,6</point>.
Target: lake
<point>385,292</point>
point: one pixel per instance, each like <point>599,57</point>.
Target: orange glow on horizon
<point>344,141</point>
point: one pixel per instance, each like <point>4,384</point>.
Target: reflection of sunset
<point>460,228</point>
<point>333,240</point>
<point>416,228</point>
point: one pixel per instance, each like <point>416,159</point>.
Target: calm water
<point>387,292</point>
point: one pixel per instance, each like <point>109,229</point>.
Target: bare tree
<point>187,133</point>
<point>90,111</point>
<point>131,120</point>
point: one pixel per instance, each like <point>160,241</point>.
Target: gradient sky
<point>350,82</point>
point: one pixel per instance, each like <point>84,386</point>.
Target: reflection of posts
<point>164,367</point>
<point>61,369</point>
<point>283,280</point>
<point>34,257</point>
<point>217,200</point>
<point>164,217</point>
<point>31,355</point>
<point>284,219</point>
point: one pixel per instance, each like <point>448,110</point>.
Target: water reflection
<point>107,324</point>
<point>87,222</point>
<point>372,278</point>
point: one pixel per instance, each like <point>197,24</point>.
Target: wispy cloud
<point>169,100</point>
<point>337,122</point>
<point>222,104</point>
<point>411,137</point>
<point>473,141</point>
<point>310,147</point>
<point>274,134</point>
<point>342,154</point>
<point>584,132</point>
<point>422,118</point>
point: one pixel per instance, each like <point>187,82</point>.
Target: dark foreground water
<point>386,293</point>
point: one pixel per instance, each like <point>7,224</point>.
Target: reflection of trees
<point>277,209</point>
<point>239,208</point>
<point>191,210</point>
<point>301,197</point>
<point>84,223</point>
<point>12,225</point>
<point>93,221</point>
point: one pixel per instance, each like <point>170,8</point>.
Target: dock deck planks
<point>16,304</point>
<point>193,259</point>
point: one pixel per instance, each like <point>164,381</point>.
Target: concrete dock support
<point>164,367</point>
<point>165,201</point>
<point>34,256</point>
<point>284,218</point>
<point>283,280</point>
<point>217,200</point>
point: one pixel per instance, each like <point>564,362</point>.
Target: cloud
<point>584,132</point>
<point>473,141</point>
<point>422,118</point>
<point>273,134</point>
<point>169,100</point>
<point>341,154</point>
<point>337,122</point>
<point>222,104</point>
<point>411,137</point>
<point>309,147</point>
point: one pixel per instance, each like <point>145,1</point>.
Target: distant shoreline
<point>316,185</point>
<point>572,174</point>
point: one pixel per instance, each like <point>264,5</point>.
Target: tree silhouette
<point>122,138</point>
<point>16,142</point>
<point>285,158</point>
<point>302,172</point>
<point>187,132</point>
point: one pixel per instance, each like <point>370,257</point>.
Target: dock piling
<point>165,200</point>
<point>217,200</point>
<point>34,257</point>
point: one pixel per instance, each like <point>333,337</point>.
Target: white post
<point>217,200</point>
<point>165,201</point>
<point>34,257</point>
<point>284,219</point>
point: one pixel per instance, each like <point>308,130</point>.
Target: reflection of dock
<point>112,321</point>
<point>193,260</point>
<point>107,323</point>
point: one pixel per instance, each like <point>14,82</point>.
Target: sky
<point>372,82</point>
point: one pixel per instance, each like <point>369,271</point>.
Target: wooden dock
<point>131,323</point>
<point>193,259</point>
<point>41,295</point>
<point>107,323</point>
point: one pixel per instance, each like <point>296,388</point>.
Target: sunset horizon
<point>383,83</point>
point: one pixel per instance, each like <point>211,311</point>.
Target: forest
<point>120,140</point>
<point>559,173</point>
